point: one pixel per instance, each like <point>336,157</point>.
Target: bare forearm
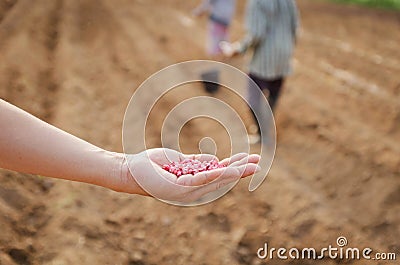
<point>30,145</point>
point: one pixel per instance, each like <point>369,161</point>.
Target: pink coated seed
<point>191,166</point>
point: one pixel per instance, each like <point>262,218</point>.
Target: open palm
<point>146,170</point>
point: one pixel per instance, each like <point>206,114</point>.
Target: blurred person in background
<point>221,13</point>
<point>271,32</point>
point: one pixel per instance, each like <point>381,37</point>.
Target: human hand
<point>229,49</point>
<point>146,170</point>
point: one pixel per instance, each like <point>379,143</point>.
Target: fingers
<point>221,183</point>
<point>233,158</point>
<point>200,157</point>
<point>241,159</point>
<point>207,176</point>
<point>254,159</point>
<point>248,170</point>
<point>229,177</point>
<point>240,164</point>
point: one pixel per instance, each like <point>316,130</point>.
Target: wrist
<point>120,178</point>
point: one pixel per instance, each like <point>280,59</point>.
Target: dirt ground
<point>336,173</point>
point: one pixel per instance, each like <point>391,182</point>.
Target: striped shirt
<point>271,26</point>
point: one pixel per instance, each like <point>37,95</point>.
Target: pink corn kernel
<point>191,166</point>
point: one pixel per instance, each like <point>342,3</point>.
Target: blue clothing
<point>221,11</point>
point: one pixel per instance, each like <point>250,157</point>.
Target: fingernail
<point>258,169</point>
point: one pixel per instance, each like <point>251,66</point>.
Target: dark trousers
<point>274,87</point>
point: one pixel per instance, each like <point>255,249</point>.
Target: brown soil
<point>336,172</point>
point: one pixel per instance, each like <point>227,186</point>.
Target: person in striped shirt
<point>271,32</point>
